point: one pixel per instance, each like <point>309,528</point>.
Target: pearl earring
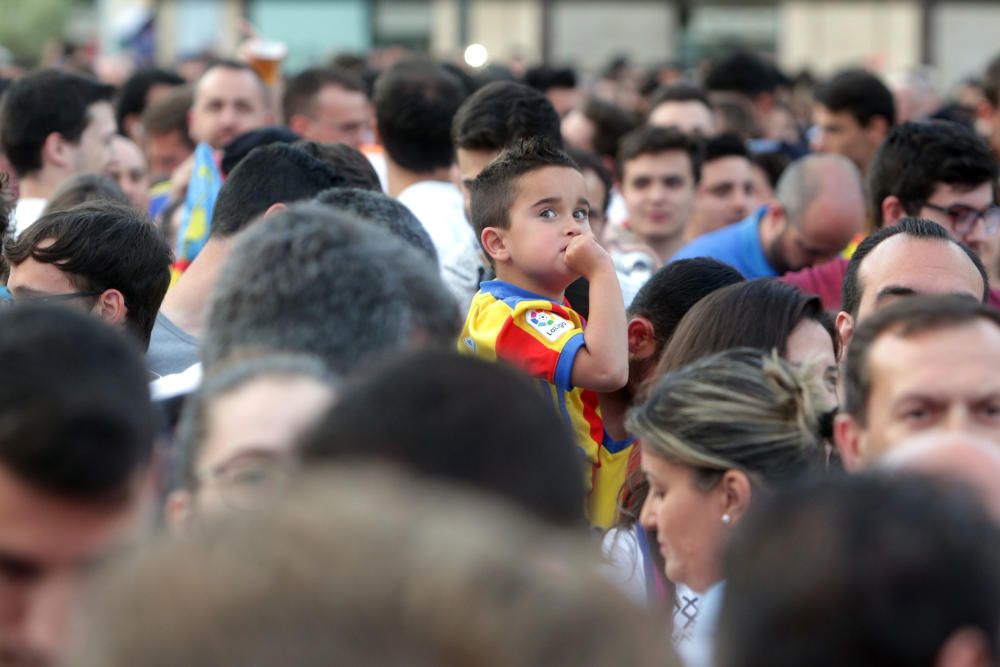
<point>726,519</point>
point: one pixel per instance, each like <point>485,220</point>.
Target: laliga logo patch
<point>548,324</point>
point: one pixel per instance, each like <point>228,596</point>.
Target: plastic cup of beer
<point>265,58</point>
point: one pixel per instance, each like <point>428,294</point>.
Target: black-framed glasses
<point>963,218</point>
<point>10,300</point>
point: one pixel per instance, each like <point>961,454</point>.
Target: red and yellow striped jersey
<point>542,338</point>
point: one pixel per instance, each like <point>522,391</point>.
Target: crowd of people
<point>420,365</point>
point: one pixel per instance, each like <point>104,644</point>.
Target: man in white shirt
<point>54,125</point>
<point>415,102</point>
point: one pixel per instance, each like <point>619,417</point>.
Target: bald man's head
<point>969,460</point>
<point>819,209</point>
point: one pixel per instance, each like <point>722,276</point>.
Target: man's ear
<point>641,342</point>
<point>849,437</point>
<point>892,210</point>
<point>876,129</point>
<point>54,150</point>
<point>276,207</point>
<point>298,124</point>
<point>495,243</point>
<point>110,307</point>
<point>845,329</point>
<point>773,222</point>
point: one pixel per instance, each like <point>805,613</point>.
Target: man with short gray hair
<point>819,208</point>
<point>315,280</point>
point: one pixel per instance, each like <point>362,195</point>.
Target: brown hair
<point>356,567</point>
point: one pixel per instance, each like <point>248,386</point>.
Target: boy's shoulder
<point>502,295</point>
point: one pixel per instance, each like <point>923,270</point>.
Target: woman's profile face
<point>687,520</point>
<point>810,343</point>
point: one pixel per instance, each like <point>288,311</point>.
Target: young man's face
<point>92,153</point>
<point>49,548</point>
<point>690,117</point>
<point>658,189</point>
<point>839,132</point>
<point>165,152</point>
<point>949,201</point>
<point>725,192</point>
<point>338,116</point>
<point>550,209</point>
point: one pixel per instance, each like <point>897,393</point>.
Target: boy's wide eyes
<point>579,214</point>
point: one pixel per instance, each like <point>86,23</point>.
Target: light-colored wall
<point>587,34</point>
<point>507,28</point>
<point>313,31</point>
<point>965,39</point>
<point>824,35</point>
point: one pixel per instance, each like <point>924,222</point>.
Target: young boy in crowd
<point>530,210</point>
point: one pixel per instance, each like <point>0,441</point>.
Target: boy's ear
<point>495,243</point>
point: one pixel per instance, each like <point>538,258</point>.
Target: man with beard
<point>819,207</point>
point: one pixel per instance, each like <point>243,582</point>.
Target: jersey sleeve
<point>542,343</point>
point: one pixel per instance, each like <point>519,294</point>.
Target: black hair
<point>495,188</point>
<point>742,72</point>
<point>674,289</point>
<point>860,93</point>
<point>918,228</point>
<point>502,112</point>
<point>351,165</point>
<point>917,157</point>
<point>726,144</point>
<point>731,317</point>
<point>240,146</point>
<point>82,188</point>
<point>651,140</point>
<point>544,77</point>
<point>415,103</point>
<point>99,246</point>
<point>382,210</point>
<point>914,315</point>
<point>76,420</point>
<point>267,176</point>
<point>133,93</point>
<point>862,571</point>
<point>301,89</point>
<point>588,161</point>
<point>436,413</point>
<point>681,92</point>
<point>41,103</point>
<point>610,122</point>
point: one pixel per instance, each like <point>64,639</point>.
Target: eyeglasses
<point>243,481</point>
<point>963,218</point>
<point>7,299</point>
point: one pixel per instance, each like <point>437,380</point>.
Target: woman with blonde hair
<point>714,435</point>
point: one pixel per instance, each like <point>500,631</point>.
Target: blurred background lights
<point>476,55</point>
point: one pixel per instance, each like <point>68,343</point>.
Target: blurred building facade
<point>955,37</point>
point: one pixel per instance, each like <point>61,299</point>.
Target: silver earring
<point>726,519</point>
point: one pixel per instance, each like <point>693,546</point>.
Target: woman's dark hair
<point>759,314</point>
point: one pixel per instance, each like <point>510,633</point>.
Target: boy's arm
<point>602,363</point>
